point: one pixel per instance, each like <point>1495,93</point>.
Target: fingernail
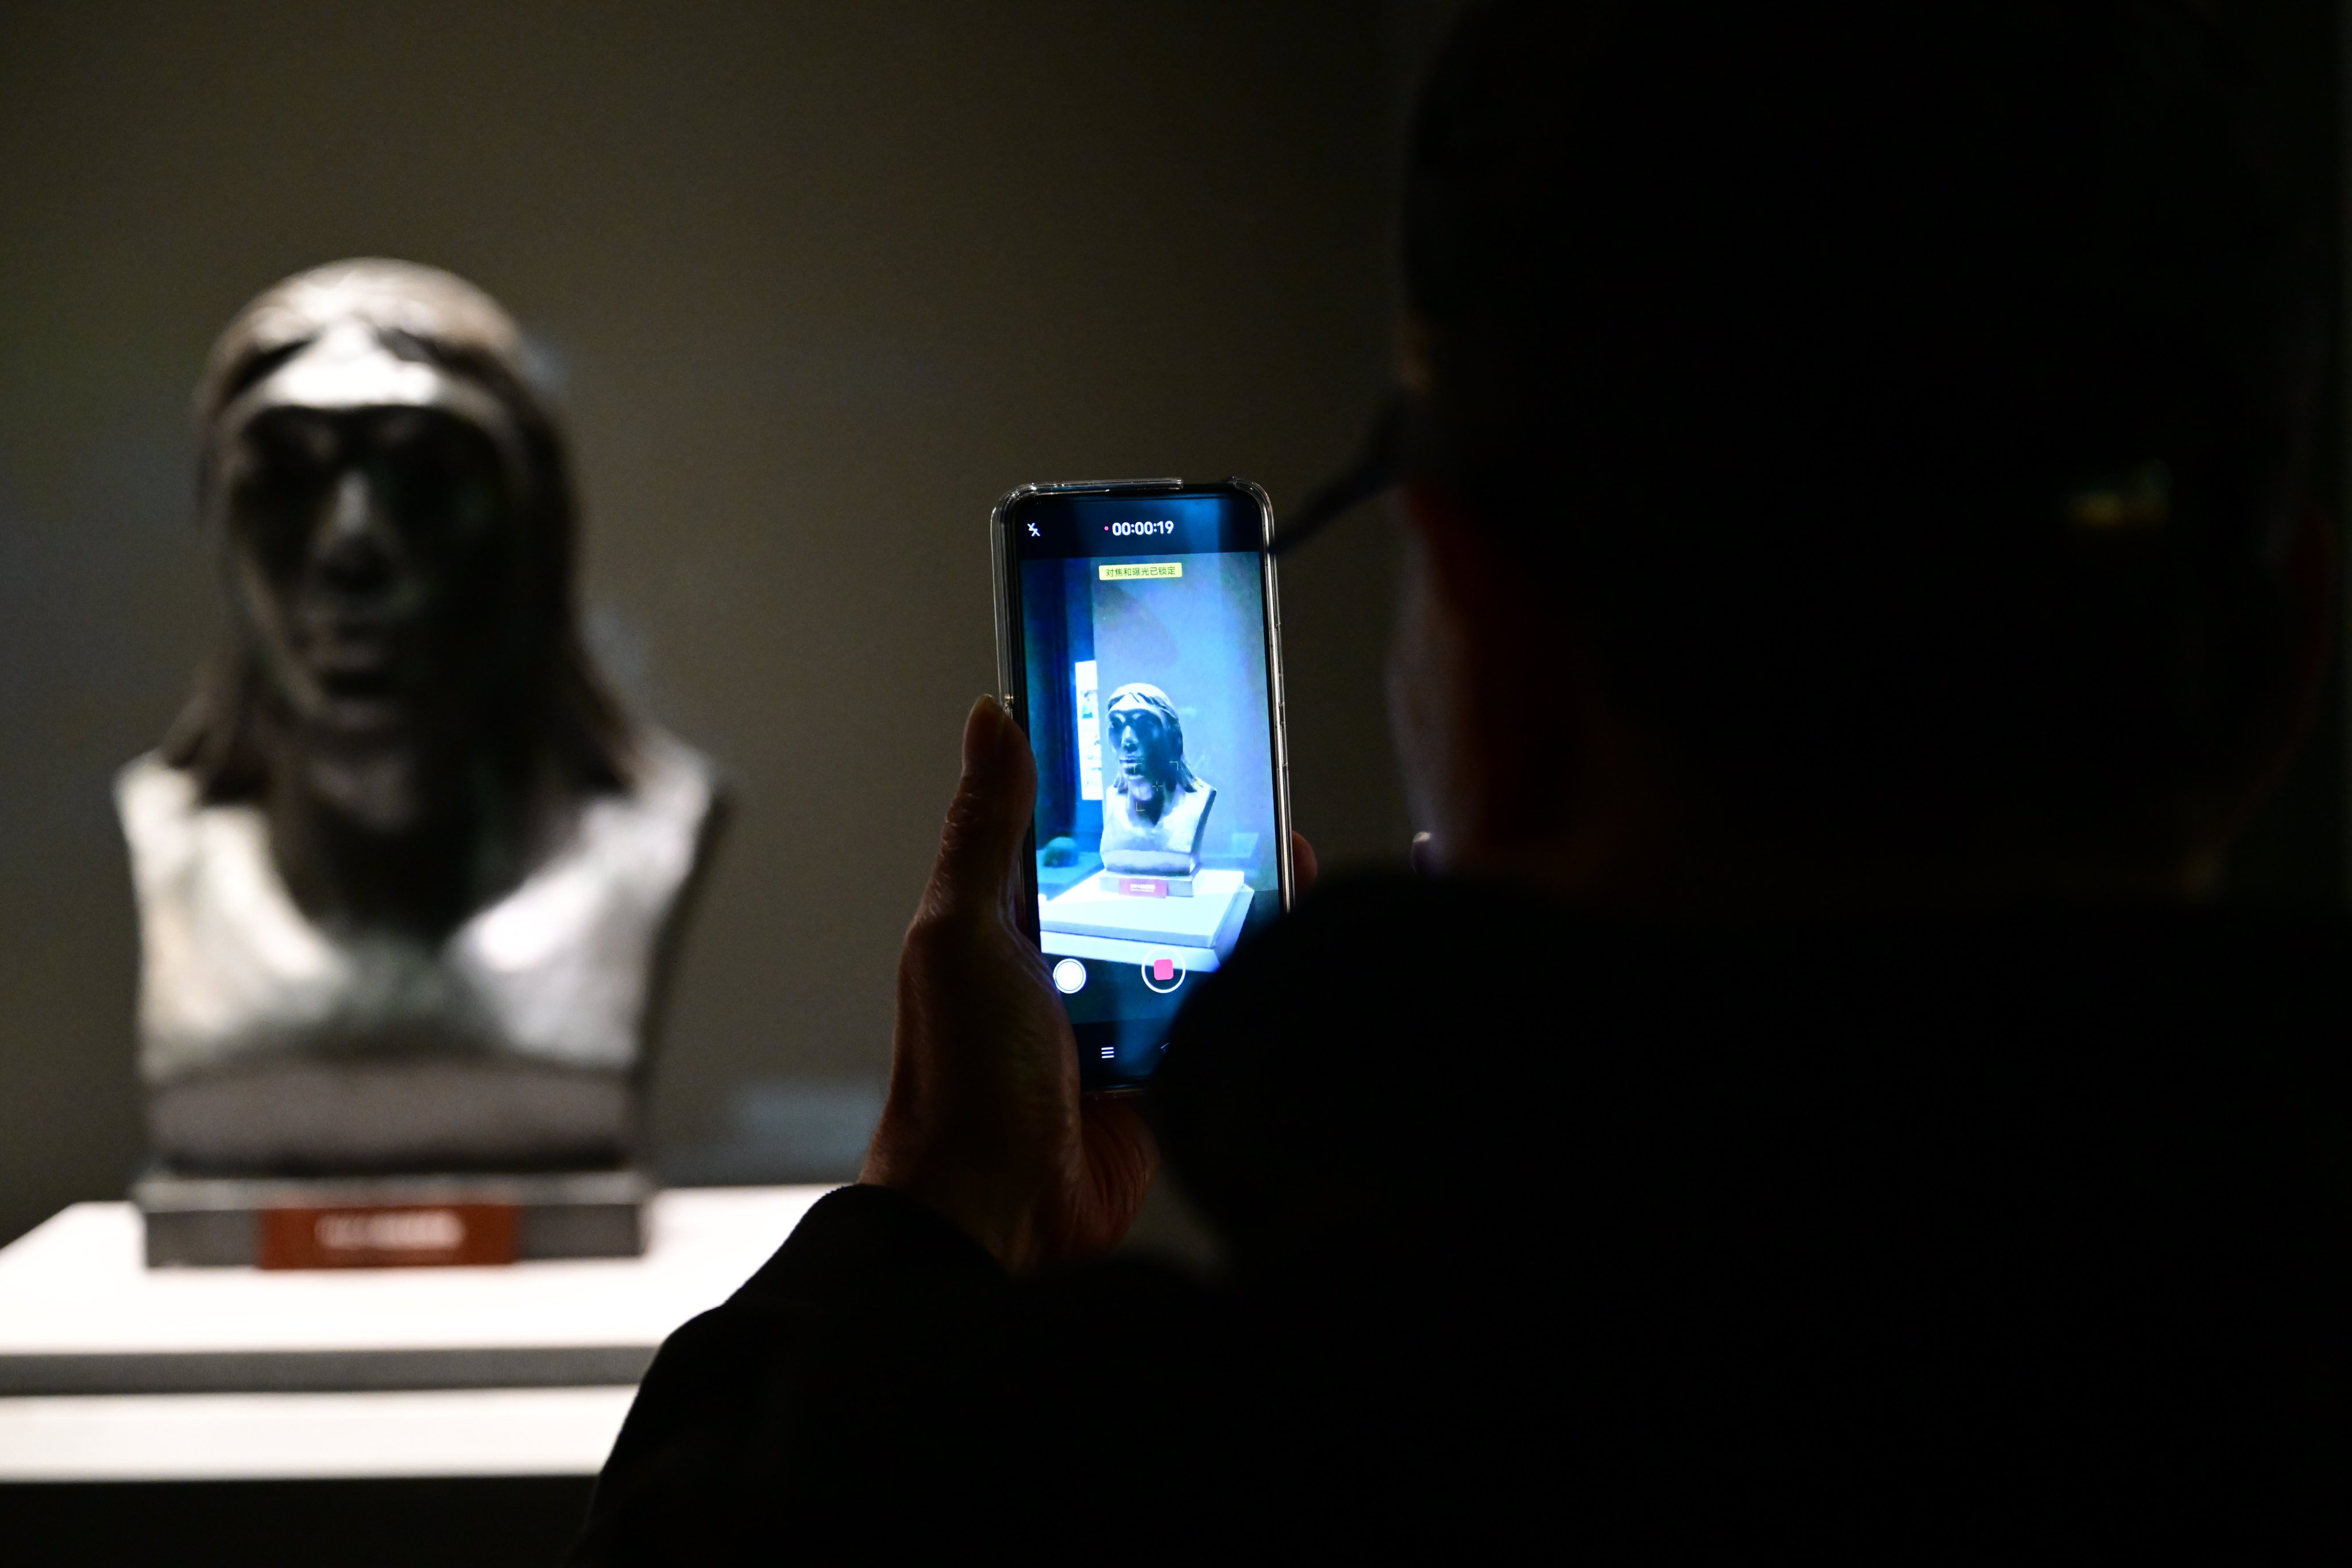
<point>980,731</point>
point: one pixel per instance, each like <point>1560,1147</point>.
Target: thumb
<point>989,817</point>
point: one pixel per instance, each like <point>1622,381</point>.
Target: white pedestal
<point>114,1370</point>
<point>1208,923</point>
<point>310,1436</point>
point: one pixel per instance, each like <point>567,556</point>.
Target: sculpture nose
<point>351,551</point>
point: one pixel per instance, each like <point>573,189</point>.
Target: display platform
<point>214,1221</point>
<point>111,1369</point>
<point>1208,922</point>
<point>310,1436</point>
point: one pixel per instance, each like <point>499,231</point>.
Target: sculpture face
<point>362,546</point>
<point>369,503</point>
<point>1150,761</point>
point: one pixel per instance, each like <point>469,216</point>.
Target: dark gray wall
<point>821,281</point>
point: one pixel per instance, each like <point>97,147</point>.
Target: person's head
<point>1876,435</point>
<point>391,501</point>
<point>1148,740</point>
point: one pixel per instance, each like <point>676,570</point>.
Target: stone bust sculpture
<point>1154,810</point>
<point>407,878</point>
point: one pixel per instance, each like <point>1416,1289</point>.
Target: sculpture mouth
<point>360,681</point>
<point>358,673</point>
<point>373,683</point>
<point>354,655</point>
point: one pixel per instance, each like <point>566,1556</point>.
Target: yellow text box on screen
<point>1126,570</point>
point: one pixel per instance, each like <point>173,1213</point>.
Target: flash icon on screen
<point>1033,533</point>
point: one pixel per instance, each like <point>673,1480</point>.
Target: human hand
<point>985,1121</point>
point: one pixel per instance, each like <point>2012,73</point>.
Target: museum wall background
<point>819,282</point>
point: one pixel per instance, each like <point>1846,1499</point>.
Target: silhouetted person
<point>1860,578</point>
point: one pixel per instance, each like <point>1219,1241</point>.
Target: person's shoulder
<point>1389,909</point>
<point>1375,1015</point>
<point>1134,1297</point>
<point>1376,952</point>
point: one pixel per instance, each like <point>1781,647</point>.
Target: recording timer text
<point>1125,530</point>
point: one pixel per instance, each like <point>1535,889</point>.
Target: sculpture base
<point>1145,887</point>
<point>1209,919</point>
<point>390,1221</point>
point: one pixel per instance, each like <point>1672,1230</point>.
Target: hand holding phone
<point>985,1121</point>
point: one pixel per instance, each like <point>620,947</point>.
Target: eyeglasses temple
<point>1378,466</point>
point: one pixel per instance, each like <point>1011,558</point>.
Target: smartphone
<point>1139,644</point>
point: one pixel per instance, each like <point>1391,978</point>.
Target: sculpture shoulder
<point>151,796</point>
<point>663,823</point>
<point>147,785</point>
<point>674,781</point>
<point>569,960</point>
<point>1183,818</point>
<point>623,866</point>
<point>164,817</point>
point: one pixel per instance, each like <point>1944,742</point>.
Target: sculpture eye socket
<point>283,463</point>
<point>439,476</point>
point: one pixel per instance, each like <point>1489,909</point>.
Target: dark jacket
<point>1900,1238</point>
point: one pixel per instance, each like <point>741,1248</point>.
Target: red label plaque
<point>404,1236</point>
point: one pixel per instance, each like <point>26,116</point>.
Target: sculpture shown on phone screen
<point>1155,808</point>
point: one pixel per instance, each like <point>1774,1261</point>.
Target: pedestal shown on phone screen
<point>1101,918</point>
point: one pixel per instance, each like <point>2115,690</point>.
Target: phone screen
<point>1149,679</point>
